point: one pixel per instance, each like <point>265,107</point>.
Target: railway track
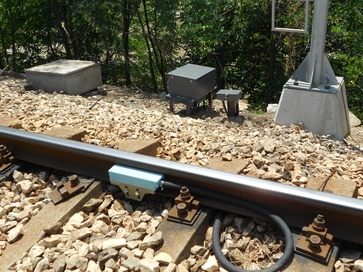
<point>296,206</point>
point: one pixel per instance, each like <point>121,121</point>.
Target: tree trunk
<point>126,14</point>
<point>152,72</point>
<point>157,52</point>
<point>62,29</point>
<point>221,78</point>
<point>269,94</point>
<point>69,26</point>
<point>3,44</point>
<point>13,39</point>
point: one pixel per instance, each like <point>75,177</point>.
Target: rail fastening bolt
<point>314,241</point>
<point>3,159</point>
<point>74,180</point>
<point>181,208</point>
<point>319,222</point>
<point>184,193</point>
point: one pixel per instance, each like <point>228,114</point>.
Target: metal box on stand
<point>190,83</point>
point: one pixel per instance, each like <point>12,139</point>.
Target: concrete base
<point>322,111</point>
<point>48,216</point>
<point>67,133</point>
<point>334,185</point>
<point>144,147</point>
<point>8,121</point>
<point>180,238</point>
<point>234,166</point>
<point>306,264</point>
<point>70,76</point>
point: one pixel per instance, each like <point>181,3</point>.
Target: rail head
<point>298,206</point>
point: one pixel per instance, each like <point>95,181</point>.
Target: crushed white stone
<point>288,155</point>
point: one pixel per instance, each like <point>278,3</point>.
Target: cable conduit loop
<point>289,244</point>
<point>279,265</point>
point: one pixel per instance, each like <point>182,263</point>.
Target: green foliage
<point>231,35</point>
<point>93,33</point>
<point>157,24</point>
<point>22,32</point>
<point>352,69</point>
<point>138,42</point>
<point>345,45</point>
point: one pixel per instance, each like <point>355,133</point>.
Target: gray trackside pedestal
<point>314,96</point>
<point>321,111</point>
<point>232,97</point>
<point>71,76</point>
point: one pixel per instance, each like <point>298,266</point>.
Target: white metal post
<point>314,96</point>
<point>318,37</point>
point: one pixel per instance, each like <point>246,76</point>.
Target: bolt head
<point>73,180</point>
<point>314,241</point>
<point>184,193</point>
<point>181,208</point>
<point>319,222</point>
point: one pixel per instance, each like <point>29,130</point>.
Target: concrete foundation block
<point>335,186</point>
<point>7,121</point>
<point>234,166</point>
<point>180,238</point>
<point>71,76</point>
<point>322,111</point>
<point>144,147</point>
<point>48,216</point>
<point>67,133</point>
<point>302,263</point>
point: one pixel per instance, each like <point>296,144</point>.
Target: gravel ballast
<point>289,155</point>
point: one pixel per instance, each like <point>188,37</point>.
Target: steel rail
<point>297,206</point>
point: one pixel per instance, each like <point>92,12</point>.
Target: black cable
<point>289,244</point>
<point>280,264</point>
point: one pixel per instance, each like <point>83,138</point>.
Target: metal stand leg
<point>232,108</point>
<point>188,109</point>
<point>171,105</point>
<point>210,99</point>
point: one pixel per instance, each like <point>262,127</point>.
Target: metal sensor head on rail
<point>133,182</point>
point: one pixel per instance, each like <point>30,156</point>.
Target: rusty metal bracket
<point>66,190</point>
<point>8,163</point>
<point>186,208</point>
<point>315,242</point>
<point>6,158</point>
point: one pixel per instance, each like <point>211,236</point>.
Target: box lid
<point>62,67</point>
<point>231,95</point>
<point>191,71</point>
